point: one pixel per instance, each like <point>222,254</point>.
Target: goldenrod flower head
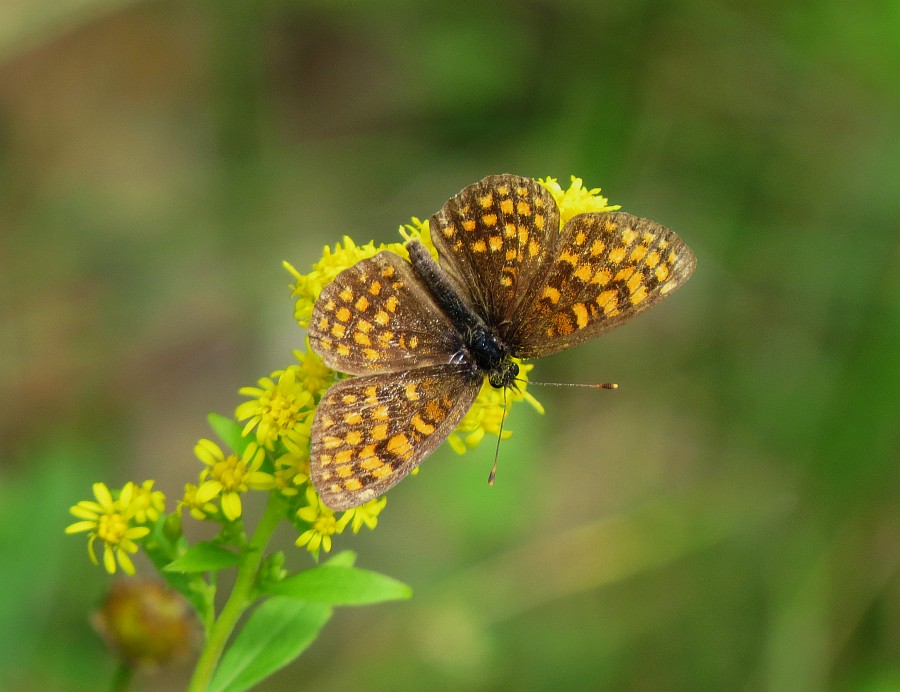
<point>198,504</point>
<point>322,524</point>
<point>110,521</point>
<point>308,286</point>
<point>312,373</point>
<point>576,199</point>
<point>227,476</point>
<point>419,230</point>
<point>364,514</point>
<point>148,503</point>
<point>291,472</point>
<point>280,403</point>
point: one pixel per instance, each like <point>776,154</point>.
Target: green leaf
<point>229,431</point>
<point>278,631</point>
<point>203,557</point>
<point>332,585</point>
<point>345,558</point>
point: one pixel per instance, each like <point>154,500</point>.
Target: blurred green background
<point>727,520</point>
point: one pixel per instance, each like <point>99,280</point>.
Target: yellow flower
<point>228,477</point>
<point>148,503</point>
<point>279,404</point>
<point>199,505</point>
<point>419,230</point>
<point>577,199</point>
<point>312,373</point>
<point>322,524</point>
<point>308,286</point>
<point>291,471</point>
<point>110,521</point>
<point>364,514</point>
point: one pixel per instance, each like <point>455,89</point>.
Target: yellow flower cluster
<point>117,522</point>
<point>576,199</point>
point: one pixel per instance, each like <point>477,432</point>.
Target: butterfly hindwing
<point>606,268</point>
<point>371,431</point>
<point>377,317</point>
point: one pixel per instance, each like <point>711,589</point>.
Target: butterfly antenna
<point>499,437</point>
<point>603,385</point>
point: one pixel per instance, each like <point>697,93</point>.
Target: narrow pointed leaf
<point>342,586</point>
<point>203,557</point>
<point>276,633</point>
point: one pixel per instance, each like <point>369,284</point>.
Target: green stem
<point>241,597</point>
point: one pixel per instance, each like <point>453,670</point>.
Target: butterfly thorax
<point>492,357</point>
<point>481,347</point>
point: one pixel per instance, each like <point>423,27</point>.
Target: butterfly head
<point>504,375</point>
<point>492,357</point>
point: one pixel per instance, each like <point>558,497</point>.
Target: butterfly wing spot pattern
<point>421,337</point>
<point>372,431</point>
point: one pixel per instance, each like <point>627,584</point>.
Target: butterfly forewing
<point>606,268</point>
<point>377,317</point>
<point>492,238</point>
<point>371,431</point>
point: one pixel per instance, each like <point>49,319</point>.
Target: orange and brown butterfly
<point>421,336</point>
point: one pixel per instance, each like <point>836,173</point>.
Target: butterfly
<point>421,336</point>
